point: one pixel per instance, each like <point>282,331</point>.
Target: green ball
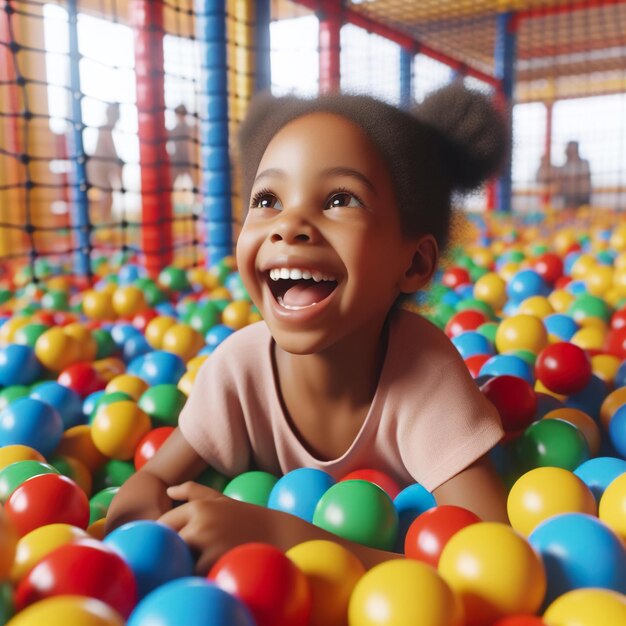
<point>212,478</point>
<point>8,394</point>
<point>28,335</point>
<point>221,269</point>
<point>7,605</point>
<point>174,279</point>
<point>551,443</point>
<point>5,295</point>
<point>359,511</point>
<point>586,305</point>
<point>55,300</point>
<point>106,346</point>
<point>204,317</point>
<point>221,304</point>
<point>463,260</point>
<point>186,308</point>
<point>106,399</point>
<point>100,502</point>
<point>474,304</point>
<point>31,308</point>
<point>442,312</point>
<point>163,403</point>
<point>154,295</point>
<point>477,271</point>
<point>114,473</point>
<point>13,475</point>
<point>488,330</point>
<point>43,269</point>
<point>253,487</point>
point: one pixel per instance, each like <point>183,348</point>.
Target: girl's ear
<point>425,254</point>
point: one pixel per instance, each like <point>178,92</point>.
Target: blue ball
<point>451,297</point>
<point>560,325</point>
<point>526,283</point>
<point>158,368</point>
<point>167,309</point>
<point>590,398</point>
<point>599,473</point>
<point>576,287</point>
<point>134,346</point>
<point>569,260</point>
<point>121,332</point>
<point>65,400</point>
<point>620,376</point>
<point>154,552</point>
<point>299,491</point>
<point>31,423</point>
<point>501,364</point>
<point>617,431</point>
<point>471,343</point>
<point>18,365</point>
<point>465,291</point>
<point>579,551</point>
<point>192,601</point>
<point>411,502</point>
<point>89,404</point>
<point>216,335</point>
<point>129,273</point>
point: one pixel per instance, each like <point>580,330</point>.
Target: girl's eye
<point>343,199</point>
<point>265,200</point>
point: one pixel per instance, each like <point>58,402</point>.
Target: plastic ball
<point>578,551</point>
<point>471,343</point>
<point>88,346</point>
<point>8,394</point>
<point>515,400</point>
<point>563,368</point>
<point>411,502</point>
<point>612,508</point>
<point>560,327</point>
<point>17,452</point>
<point>403,593</point>
<point>429,533</point>
<point>55,575</point>
<point>131,385</point>
<point>18,365</point>
<point>156,329</point>
<point>552,442</point>
<point>13,475</point>
<point>98,305</point>
<point>495,572</point>
<point>38,543</point>
<point>31,423</point>
<point>610,404</point>
<point>100,503</point>
<point>191,601</point>
<point>160,368</point>
<point>359,511</point>
<point>182,340</point>
<point>299,491</point>
<point>382,480</point>
<point>544,492</point>
<point>586,305</point>
<point>253,487</point>
<point>583,422</point>
<point>526,283</point>
<point>549,266</point>
<point>83,378</point>
<point>173,279</point>
<point>118,428</point>
<point>464,321</point>
<point>332,572</point>
<point>154,552</point>
<point>149,444</point>
<point>71,610</point>
<point>521,332</point>
<point>507,364</point>
<point>539,306</point>
<point>77,442</point>
<point>216,335</point>
<point>114,473</point>
<point>236,314</point>
<point>587,607</point>
<point>64,399</point>
<point>267,582</point>
<point>491,289</point>
<point>599,473</point>
<point>57,350</point>
<point>204,317</point>
<point>606,367</point>
<point>128,301</point>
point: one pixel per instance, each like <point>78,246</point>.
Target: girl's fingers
<point>191,491</point>
<point>176,518</point>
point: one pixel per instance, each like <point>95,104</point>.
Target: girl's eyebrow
<point>348,171</point>
<point>269,173</point>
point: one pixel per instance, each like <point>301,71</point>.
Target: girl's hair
<point>451,143</point>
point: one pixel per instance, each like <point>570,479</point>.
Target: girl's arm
<point>143,495</point>
<point>477,488</point>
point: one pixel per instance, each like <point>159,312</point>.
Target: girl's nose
<point>292,230</point>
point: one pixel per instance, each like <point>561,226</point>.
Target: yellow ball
<point>57,350</point>
<point>128,300</point>
<point>156,328</point>
<point>87,344</point>
<point>521,332</point>
<point>32,547</point>
<point>491,289</point>
<point>109,368</point>
<point>541,388</point>
<point>495,571</point>
<point>98,305</point>
<point>332,572</point>
<point>561,300</point>
<point>11,326</point>
<point>620,261</point>
<point>185,383</point>
<point>539,306</point>
<point>117,429</point>
<point>18,452</point>
<point>97,528</point>
<point>544,492</point>
<point>564,240</point>
<point>182,340</point>
<point>68,611</point>
<point>482,257</point>
<point>582,266</point>
<point>128,383</point>
<point>59,283</point>
<point>618,239</point>
<point>404,593</point>
<point>193,365</point>
<point>254,317</point>
<point>587,607</point>
<point>605,366</point>
<point>619,281</point>
<point>78,443</point>
<point>599,280</point>
<point>220,293</point>
<point>610,404</point>
<point>508,270</point>
<point>589,338</point>
<point>612,508</point>
<point>236,314</point>
<point>585,423</point>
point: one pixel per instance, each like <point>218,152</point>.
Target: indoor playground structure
<point>119,212</point>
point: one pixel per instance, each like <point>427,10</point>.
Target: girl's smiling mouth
<point>296,289</point>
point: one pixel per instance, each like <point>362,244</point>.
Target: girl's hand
<point>212,523</point>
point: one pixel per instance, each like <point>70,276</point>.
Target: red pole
<point>156,232</point>
<point>330,46</point>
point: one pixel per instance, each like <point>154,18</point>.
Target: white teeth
<point>284,273</point>
<point>306,274</point>
<point>295,274</point>
<point>317,276</point>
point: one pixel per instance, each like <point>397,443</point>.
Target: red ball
<point>83,378</point>
<point>520,620</point>
<point>515,400</point>
<point>85,568</point>
<point>475,363</point>
<point>386,483</point>
<point>47,499</point>
<point>562,282</point>
<point>143,318</point>
<point>455,277</point>
<point>619,319</point>
<point>616,342</point>
<point>463,321</point>
<point>549,266</point>
<point>431,531</point>
<point>149,444</point>
<point>267,582</point>
<point>563,367</point>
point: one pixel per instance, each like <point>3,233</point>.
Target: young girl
<point>349,207</point>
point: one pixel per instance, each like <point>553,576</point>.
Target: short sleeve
<point>454,426</point>
<point>212,420</point>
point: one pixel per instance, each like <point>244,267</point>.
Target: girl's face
<point>321,251</point>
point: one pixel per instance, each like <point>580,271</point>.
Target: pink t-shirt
<point>427,421</point>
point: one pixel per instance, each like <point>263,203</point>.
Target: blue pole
<point>80,201</point>
<point>505,58</point>
<point>215,161</point>
<point>263,80</point>
<point>406,78</point>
